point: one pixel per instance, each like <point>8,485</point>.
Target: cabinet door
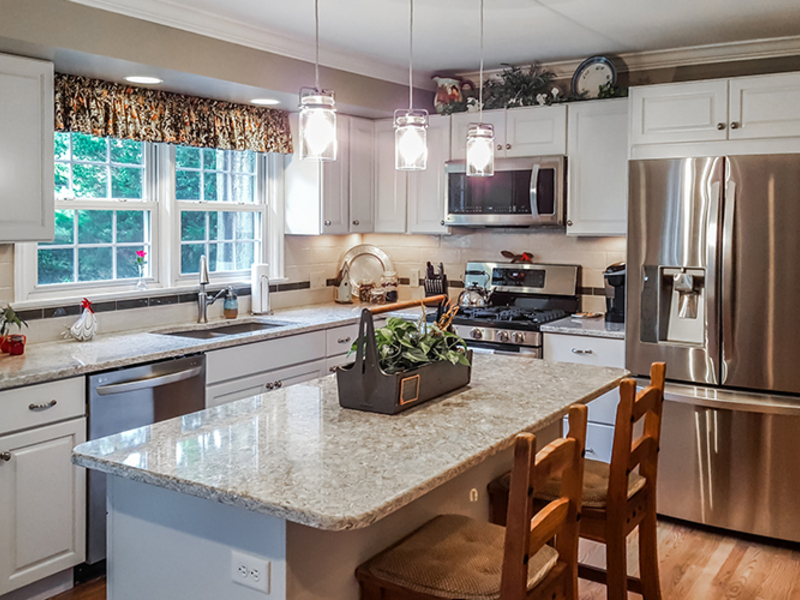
<point>362,175</point>
<point>460,125</point>
<point>679,112</point>
<point>597,197</point>
<point>336,183</point>
<point>263,383</point>
<point>536,131</point>
<point>426,202</point>
<point>391,184</point>
<point>26,150</point>
<point>43,500</point>
<point>765,106</point>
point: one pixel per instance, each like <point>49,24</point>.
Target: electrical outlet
<point>473,495</point>
<point>317,280</point>
<point>250,571</point>
<point>414,279</point>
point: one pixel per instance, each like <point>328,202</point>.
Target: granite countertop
<point>295,454</point>
<point>591,327</point>
<point>59,360</point>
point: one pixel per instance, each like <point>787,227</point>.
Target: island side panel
<point>322,563</point>
<point>164,545</point>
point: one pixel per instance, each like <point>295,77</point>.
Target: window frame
<point>165,242</point>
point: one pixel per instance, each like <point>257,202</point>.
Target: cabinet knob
<point>343,340</point>
<point>332,369</point>
<point>720,126</point>
<point>270,386</point>
<point>735,125</point>
<point>508,146</point>
<point>569,223</point>
<point>327,223</point>
<point>356,223</point>
<point>5,456</point>
<point>278,384</point>
<point>442,222</point>
<point>499,146</point>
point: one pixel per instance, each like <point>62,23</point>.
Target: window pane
<point>65,220</point>
<point>190,257</point>
<point>187,185</point>
<point>188,158</point>
<point>62,180</point>
<point>221,226</point>
<point>55,265</point>
<point>221,257</point>
<point>245,255</point>
<point>62,146</point>
<point>193,226</point>
<point>246,226</point>
<point>215,159</point>
<point>127,266</point>
<point>126,182</point>
<point>243,188</point>
<point>130,225</point>
<point>214,187</point>
<point>127,152</point>
<point>87,147</point>
<point>95,264</point>
<point>95,226</point>
<point>243,162</point>
<point>89,181</point>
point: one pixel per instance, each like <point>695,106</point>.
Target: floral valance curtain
<point>102,108</point>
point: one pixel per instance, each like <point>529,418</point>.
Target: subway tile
<point>132,303</point>
<point>164,300</point>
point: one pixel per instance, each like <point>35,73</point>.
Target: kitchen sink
<point>224,330</point>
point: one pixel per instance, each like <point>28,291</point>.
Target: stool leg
<point>616,565</point>
<point>648,555</point>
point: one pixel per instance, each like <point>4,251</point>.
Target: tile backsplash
<point>6,274</point>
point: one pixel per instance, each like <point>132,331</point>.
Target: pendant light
<point>480,135</point>
<point>410,126</point>
<point>317,114</point>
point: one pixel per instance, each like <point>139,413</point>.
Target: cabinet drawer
<point>241,361</point>
<point>340,339</point>
<point>601,352</point>
<point>599,441</point>
<point>263,383</point>
<point>34,405</point>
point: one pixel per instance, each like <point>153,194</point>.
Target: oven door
<point>522,192</point>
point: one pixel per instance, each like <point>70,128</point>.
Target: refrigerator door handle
<point>728,283</point>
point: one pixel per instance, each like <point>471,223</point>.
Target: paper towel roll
<point>259,283</point>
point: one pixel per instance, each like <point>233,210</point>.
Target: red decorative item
<point>16,344</point>
<point>85,303</point>
<point>4,344</point>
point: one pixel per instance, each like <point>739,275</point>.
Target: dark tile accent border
<point>31,315</point>
<point>134,303</point>
<point>589,291</point>
<point>62,311</point>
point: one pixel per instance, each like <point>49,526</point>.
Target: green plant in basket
<point>404,345</point>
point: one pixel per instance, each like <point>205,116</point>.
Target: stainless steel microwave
<point>523,192</point>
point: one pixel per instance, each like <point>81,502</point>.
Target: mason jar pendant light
<point>480,135</point>
<point>317,114</point>
<point>410,126</point>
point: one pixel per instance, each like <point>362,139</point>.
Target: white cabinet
<point>426,201</point>
<point>262,383</point>
<point>43,500</point>
<point>26,150</point>
<point>597,151</point>
<point>528,131</point>
<point>390,184</point>
<point>743,108</point>
<point>333,197</point>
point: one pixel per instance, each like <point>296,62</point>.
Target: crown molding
<point>681,57</point>
<point>266,39</point>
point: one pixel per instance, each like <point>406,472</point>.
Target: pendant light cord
<point>316,57</point>
<point>480,89</point>
<point>411,57</point>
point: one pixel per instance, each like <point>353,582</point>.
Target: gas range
<point>522,297</point>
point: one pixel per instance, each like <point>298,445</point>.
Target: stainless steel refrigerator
<point>714,290</point>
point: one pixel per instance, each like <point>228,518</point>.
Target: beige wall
<point>6,274</point>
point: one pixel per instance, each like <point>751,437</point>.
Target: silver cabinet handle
<point>327,223</point>
<point>5,456</point>
<point>579,351</point>
<point>590,450</point>
<point>720,126</point>
<point>356,222</point>
<point>343,340</point>
<point>43,405</point>
<point>508,146</point>
<point>735,125</point>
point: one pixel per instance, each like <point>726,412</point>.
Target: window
<point>115,198</point>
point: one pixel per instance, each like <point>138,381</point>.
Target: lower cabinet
<point>42,503</point>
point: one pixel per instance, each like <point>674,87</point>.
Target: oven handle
<point>534,191</point>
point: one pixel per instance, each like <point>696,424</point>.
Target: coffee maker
<point>615,292</point>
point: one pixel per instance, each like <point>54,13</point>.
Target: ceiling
<point>371,36</point>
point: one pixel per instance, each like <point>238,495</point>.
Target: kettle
<point>474,296</point>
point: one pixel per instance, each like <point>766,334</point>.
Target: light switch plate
<point>317,280</point>
<point>414,278</point>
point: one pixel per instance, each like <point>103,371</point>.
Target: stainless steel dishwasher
<point>130,398</point>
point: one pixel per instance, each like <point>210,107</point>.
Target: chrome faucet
<point>205,300</point>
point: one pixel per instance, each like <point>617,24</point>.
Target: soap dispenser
<point>230,309</point>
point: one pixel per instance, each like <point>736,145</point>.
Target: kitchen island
<point>311,489</point>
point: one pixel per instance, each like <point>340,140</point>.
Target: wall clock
<point>591,74</point>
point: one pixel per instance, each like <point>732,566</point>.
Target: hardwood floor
<point>695,565</point>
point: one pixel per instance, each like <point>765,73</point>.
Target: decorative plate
<point>591,74</point>
<point>366,263</point>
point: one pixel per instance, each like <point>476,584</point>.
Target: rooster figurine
<point>86,326</point>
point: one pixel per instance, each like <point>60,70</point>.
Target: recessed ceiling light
<point>265,101</point>
<point>144,80</point>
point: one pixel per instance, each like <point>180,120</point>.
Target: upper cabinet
<point>26,149</point>
<point>744,108</point>
<point>390,184</point>
<point>333,197</point>
<point>426,201</point>
<point>597,154</point>
<point>529,131</point>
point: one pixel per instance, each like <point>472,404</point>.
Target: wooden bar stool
<point>454,556</point>
<point>616,500</point>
